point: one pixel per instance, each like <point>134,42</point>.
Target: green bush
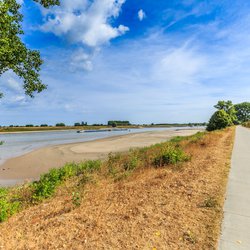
<point>46,186</point>
<point>169,155</point>
<point>130,163</point>
<point>7,207</point>
<point>219,120</point>
<point>246,124</point>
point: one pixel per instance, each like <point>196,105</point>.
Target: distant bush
<point>44,125</point>
<point>77,124</point>
<point>219,120</point>
<point>60,125</point>
<point>118,123</point>
<point>29,125</point>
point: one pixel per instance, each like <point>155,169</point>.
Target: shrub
<point>60,125</point>
<point>7,207</point>
<point>130,163</point>
<point>169,155</point>
<point>246,124</point>
<point>219,120</point>
<point>209,202</point>
<point>46,186</point>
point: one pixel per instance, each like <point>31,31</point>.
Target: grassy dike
<point>117,166</point>
<point>174,192</point>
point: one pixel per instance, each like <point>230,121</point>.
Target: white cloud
<point>141,14</point>
<point>81,60</point>
<point>20,2</point>
<point>86,22</point>
<point>10,82</point>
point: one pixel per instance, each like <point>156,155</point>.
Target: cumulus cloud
<point>86,22</point>
<point>141,14</point>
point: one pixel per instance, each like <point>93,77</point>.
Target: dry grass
<point>178,207</point>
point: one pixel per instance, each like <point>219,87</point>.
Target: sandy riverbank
<point>30,166</point>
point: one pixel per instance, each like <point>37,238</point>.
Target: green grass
<point>192,138</point>
<point>8,204</point>
<point>118,167</point>
<point>46,186</point>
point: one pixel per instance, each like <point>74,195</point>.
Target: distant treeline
<point>179,124</point>
<point>109,123</point>
<point>119,123</point>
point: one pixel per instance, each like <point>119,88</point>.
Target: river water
<point>16,144</point>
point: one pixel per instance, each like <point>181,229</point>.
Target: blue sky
<point>143,61</point>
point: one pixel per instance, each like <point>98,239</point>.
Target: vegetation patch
<point>8,205</point>
<point>246,124</point>
<point>118,166</point>
<point>169,155</point>
<point>129,202</point>
<point>228,114</point>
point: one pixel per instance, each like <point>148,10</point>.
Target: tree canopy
<point>243,111</point>
<point>220,119</point>
<point>229,114</point>
<point>14,55</point>
<point>228,107</point>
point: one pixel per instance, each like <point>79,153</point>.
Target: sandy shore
<point>30,166</point>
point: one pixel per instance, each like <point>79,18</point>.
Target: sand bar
<point>31,165</point>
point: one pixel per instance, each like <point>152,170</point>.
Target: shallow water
<point>21,143</point>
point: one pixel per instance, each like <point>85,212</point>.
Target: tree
<point>243,111</point>
<point>220,119</point>
<point>14,55</point>
<point>229,108</point>
<point>61,124</point>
